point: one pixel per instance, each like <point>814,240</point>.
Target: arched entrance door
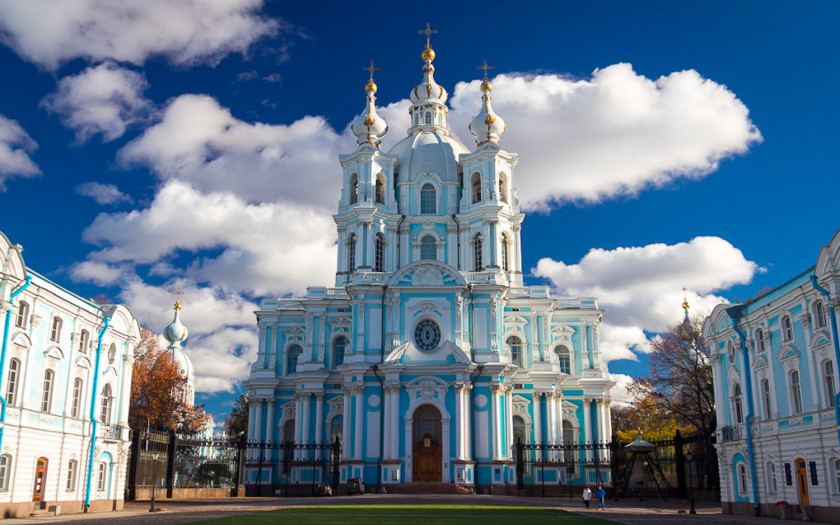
<point>802,482</point>
<point>40,478</point>
<point>427,444</point>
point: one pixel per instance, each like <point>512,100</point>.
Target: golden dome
<point>486,86</point>
<point>370,87</point>
<point>428,54</point>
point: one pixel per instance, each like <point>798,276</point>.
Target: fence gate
<point>148,466</point>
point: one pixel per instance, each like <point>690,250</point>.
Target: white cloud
<point>616,133</point>
<point>104,99</point>
<point>619,393</point>
<point>222,359</point>
<point>102,193</point>
<point>98,273</point>
<point>15,147</point>
<point>641,287</point>
<point>188,31</point>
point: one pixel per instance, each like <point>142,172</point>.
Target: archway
<point>40,479</point>
<point>427,441</point>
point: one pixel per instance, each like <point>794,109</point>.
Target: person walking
<point>587,497</point>
<point>601,495</point>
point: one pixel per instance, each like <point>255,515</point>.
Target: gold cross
<point>371,69</point>
<point>179,293</point>
<point>485,67</point>
<point>428,31</point>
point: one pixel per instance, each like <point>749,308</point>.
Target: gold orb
<point>485,86</point>
<point>428,54</point>
<point>370,87</point>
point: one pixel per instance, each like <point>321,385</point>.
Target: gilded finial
<point>485,84</point>
<point>371,85</point>
<point>428,52</point>
<point>685,301</point>
<point>178,295</point>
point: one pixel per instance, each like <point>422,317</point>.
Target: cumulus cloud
<point>222,359</point>
<point>186,32</point>
<point>641,287</point>
<point>15,147</point>
<point>613,134</point>
<point>102,193</point>
<point>105,100</point>
<point>619,393</point>
<point>98,273</point>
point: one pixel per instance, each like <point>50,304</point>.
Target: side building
<point>775,378</point>
<point>65,379</point>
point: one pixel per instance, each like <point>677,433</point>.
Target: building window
<point>730,352</point>
<point>737,408</point>
<point>819,314</point>
<point>336,428</point>
<point>12,382</point>
<point>379,193</point>
<point>828,379</point>
<point>428,199</point>
<point>520,430</point>
<point>46,392</point>
<point>742,479</point>
<point>475,184</point>
<point>77,397</point>
<point>351,253</point>
<point>354,189</point>
<point>55,332</point>
<point>71,474</point>
<point>568,433</point>
<point>428,248</point>
<point>106,406</point>
<point>477,263</point>
<point>378,253</point>
<point>503,188</point>
<point>836,464</point>
<point>795,393</point>
<point>505,255</point>
<point>339,347</point>
<point>515,345</point>
<point>759,336</point>
<point>427,335</point>
<point>564,357</point>
<point>22,314</point>
<point>428,117</point>
<point>292,359</point>
<point>5,471</point>
<point>771,478</point>
<point>767,398</point>
<point>787,328</point>
<point>84,339</point>
<point>112,353</point>
<point>100,479</point>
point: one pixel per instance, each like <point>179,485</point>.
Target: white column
<point>387,418</point>
<point>551,417</point>
<point>459,421</point>
<point>251,417</point>
<point>816,379</point>
<point>395,422</point>
<point>360,412</point>
<point>537,419</point>
<point>345,429</point>
<point>319,418</point>
<point>559,426</point>
<point>468,418</point>
<point>496,405</point>
<point>258,428</point>
<point>269,422</point>
<point>609,420</point>
<point>125,396</point>
<point>304,429</point>
<point>298,423</point>
<point>587,426</point>
<point>508,452</point>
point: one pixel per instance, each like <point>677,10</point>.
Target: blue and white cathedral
<point>429,357</point>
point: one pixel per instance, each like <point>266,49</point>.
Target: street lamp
<point>690,490</point>
<point>152,507</point>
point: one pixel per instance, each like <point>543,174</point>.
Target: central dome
<point>428,152</point>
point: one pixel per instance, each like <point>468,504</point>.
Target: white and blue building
<point>65,382</point>
<point>776,389</point>
<point>429,357</point>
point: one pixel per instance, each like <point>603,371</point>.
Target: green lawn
<point>401,514</point>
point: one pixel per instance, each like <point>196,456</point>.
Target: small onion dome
<point>486,126</point>
<point>176,333</point>
<point>428,90</point>
<point>369,127</point>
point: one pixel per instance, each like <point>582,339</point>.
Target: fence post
<point>240,474</point>
<point>171,450</point>
<point>520,464</point>
<point>336,458</point>
<point>679,460</point>
<point>131,482</point>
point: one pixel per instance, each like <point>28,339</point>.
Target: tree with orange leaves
<point>157,391</point>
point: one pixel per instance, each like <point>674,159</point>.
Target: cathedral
<point>429,357</point>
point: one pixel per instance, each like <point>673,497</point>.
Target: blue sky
<point>146,146</point>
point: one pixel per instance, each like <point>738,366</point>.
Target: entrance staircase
<point>38,512</point>
<point>428,488</point>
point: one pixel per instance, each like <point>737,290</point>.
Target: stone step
<point>427,488</point>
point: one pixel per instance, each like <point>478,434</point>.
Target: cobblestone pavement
<point>629,511</point>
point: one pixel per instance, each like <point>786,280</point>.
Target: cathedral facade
<point>429,357</point>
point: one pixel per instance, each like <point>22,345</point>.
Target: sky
<point>147,146</point>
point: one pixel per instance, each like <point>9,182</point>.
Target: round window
<point>427,335</point>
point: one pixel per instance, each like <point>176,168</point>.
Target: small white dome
<point>428,91</point>
<point>486,126</point>
<point>369,127</point>
<point>176,333</point>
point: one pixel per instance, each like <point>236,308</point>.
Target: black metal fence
<point>552,469</point>
<point>282,466</point>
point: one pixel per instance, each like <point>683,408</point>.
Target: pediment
<point>446,353</point>
<point>22,340</point>
<point>54,352</point>
<point>819,339</point>
<point>759,362</point>
<point>515,319</point>
<point>83,361</point>
<point>427,273</point>
<point>788,351</point>
<point>294,331</point>
<point>343,320</point>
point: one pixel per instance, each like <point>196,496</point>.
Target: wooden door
<point>427,450</point>
<point>40,479</point>
<point>802,482</point>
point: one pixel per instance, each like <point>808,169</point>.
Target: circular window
<point>427,335</point>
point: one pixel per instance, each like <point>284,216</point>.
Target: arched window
<point>101,480</point>
<point>354,189</point>
<point>520,431</point>
<point>12,382</point>
<point>379,193</point>
<point>112,353</point>
<point>428,199</point>
<point>828,379</point>
<point>475,184</point>
<point>759,336</point>
<point>568,433</point>
<point>787,328</point>
<point>767,399</point>
<point>795,392</point>
<point>564,358</point>
<point>428,248</point>
<point>505,257</point>
<point>771,478</point>
<point>72,469</point>
<point>515,345</point>
<point>289,431</point>
<point>22,314</point>
<point>819,314</point>
<point>105,407</point>
<point>477,264</point>
<point>339,346</point>
<point>336,428</point>
<point>503,188</point>
<point>378,253</point>
<point>292,358</point>
<point>55,331</point>
<point>742,479</point>
<point>428,117</point>
<point>351,253</point>
<point>46,391</point>
<point>737,407</point>
<point>84,339</point>
<point>77,397</point>
<point>5,471</point>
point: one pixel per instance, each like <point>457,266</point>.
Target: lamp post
<point>690,488</point>
<point>152,507</point>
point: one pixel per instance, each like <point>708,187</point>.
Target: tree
<point>236,424</point>
<point>157,391</point>
<point>646,415</point>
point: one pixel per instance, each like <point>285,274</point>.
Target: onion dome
<point>369,127</point>
<point>486,126</point>
<point>176,333</point>
<point>428,91</point>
